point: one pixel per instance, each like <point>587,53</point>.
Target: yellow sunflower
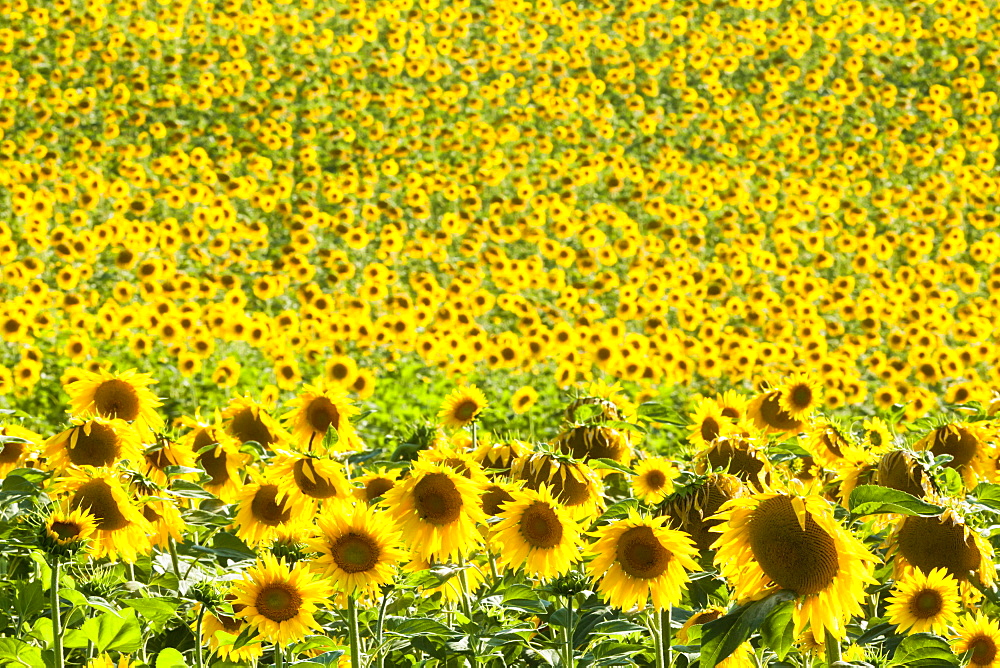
<point>943,541</point>
<point>924,602</point>
<point>462,406</point>
<point>828,442</point>
<point>105,661</point>
<point>218,623</point>
<point>162,511</point>
<point>166,453</point>
<point>775,541</point>
<point>218,453</point>
<point>574,484</point>
<point>536,533</point>
<point>653,480</point>
<point>437,511</point>
<point>496,457</point>
<point>899,469</point>
<point>122,532</point>
<point>708,423</point>
<point>522,401</point>
<point>463,463</point>
<point>732,405</point>
<point>968,446</point>
<point>375,484</point>
<point>66,530</point>
<point>637,558</point>
<point>279,601</point>
<point>800,395</point>
<point>99,442</point>
<point>981,636</point>
<point>359,548</point>
<point>877,435</point>
<point>767,414</point>
<point>495,495</point>
<point>265,512</point>
<point>307,480</point>
<point>16,445</point>
<point>123,396</point>
<point>246,420</point>
<point>318,409</point>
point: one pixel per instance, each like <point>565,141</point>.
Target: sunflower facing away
<point>638,557</point>
<point>317,410</point>
<point>981,636</point>
<point>944,541</point>
<point>246,420</point>
<point>462,406</point>
<point>437,511</point>
<point>774,541</point>
<point>693,511</point>
<point>279,601</point>
<point>738,456</point>
<point>653,480</point>
<point>123,396</point>
<point>96,442</point>
<point>966,443</point>
<point>597,441</point>
<point>535,532</point>
<point>925,602</point>
<point>359,548</point>
<point>574,484</point>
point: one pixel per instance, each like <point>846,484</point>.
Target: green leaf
<point>778,631</point>
<point>170,658</point>
<point>924,650</point>
<point>18,652</point>
<point>156,610</point>
<point>872,499</point>
<point>587,412</point>
<point>988,495</point>
<point>610,464</point>
<point>617,627</point>
<point>109,631</point>
<point>721,637</point>
<point>657,412</point>
<point>421,626</point>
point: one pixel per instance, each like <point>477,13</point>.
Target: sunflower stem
<point>199,661</point>
<point>464,581</point>
<point>569,633</point>
<point>380,658</point>
<point>56,623</point>
<point>493,566</point>
<point>174,561</point>
<point>663,658</point>
<point>352,619</point>
<point>832,649</point>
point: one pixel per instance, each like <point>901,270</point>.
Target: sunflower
<point>737,456</point>
<point>359,548</point>
<point>123,396</point>
<point>279,601</point>
<point>462,406</point>
<point>828,442</point>
<point>216,623</point>
<point>732,405</point>
<point>496,457</point>
<point>708,423</point>
<point>981,636</point>
<point>924,602</point>
<point>522,401</point>
<point>596,441</point>
<point>97,442</point>
<point>800,395</point>
<point>535,532</point>
<point>264,511</point>
<point>709,614</point>
<point>164,517</point>
<point>574,484</point>
<point>105,661</point>
<point>495,495</point>
<point>246,420</point>
<point>317,410</point>
<point>463,463</point>
<point>437,511</point>
<point>218,453</point>
<point>899,469</point>
<point>638,557</point>
<point>767,414</point>
<point>877,435</point>
<point>692,511</point>
<point>374,485</point>
<point>65,531</point>
<point>122,532</point>
<point>967,445</point>
<point>943,541</point>
<point>308,481</point>
<point>16,445</point>
<point>777,541</point>
<point>166,453</point>
<point>653,480</point>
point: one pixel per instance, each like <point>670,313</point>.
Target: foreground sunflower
<point>775,541</point>
<point>535,532</point>
<point>462,406</point>
<point>165,453</point>
<point>123,396</point>
<point>924,602</point>
<point>216,623</point>
<point>96,442</point>
<point>359,548</point>
<point>279,601</point>
<point>653,480</point>
<point>246,420</point>
<point>981,636</point>
<point>574,484</point>
<point>437,511</point>
<point>217,453</point>
<point>317,410</point>
<point>637,558</point>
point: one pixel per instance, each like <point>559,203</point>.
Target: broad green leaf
<point>617,627</point>
<point>988,495</point>
<point>657,412</point>
<point>19,653</point>
<point>872,499</point>
<point>778,631</point>
<point>611,465</point>
<point>170,658</point>
<point>923,650</point>
<point>156,610</point>
<point>721,637</point>
<point>113,632</point>
<point>421,626</point>
<point>587,412</point>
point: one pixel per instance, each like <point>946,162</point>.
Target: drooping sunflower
<point>279,601</point>
<point>495,495</point>
<point>615,405</point>
<point>767,414</point>
<point>264,511</point>
<point>123,396</point>
<point>800,395</point>
<point>708,423</point>
<point>574,484</point>
<point>738,456</point>
<point>981,636</point>
<point>317,409</point>
<point>99,442</point>
<point>162,510</point>
<point>693,511</point>
<point>462,406</point>
<point>653,480</point>
<point>437,511</point>
<point>536,533</point>
<point>639,557</point>
<point>122,532</point>
<point>924,602</point>
<point>359,548</point>
<point>246,420</point>
<point>966,443</point>
<point>899,469</point>
<point>16,445</point>
<point>166,453</point>
<point>375,484</point>
<point>215,623</point>
<point>828,442</point>
<point>943,541</point>
<point>496,457</point>
<point>775,541</point>
<point>308,481</point>
<point>595,441</point>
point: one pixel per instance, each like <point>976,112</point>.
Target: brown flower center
<point>65,531</point>
<point>322,413</point>
<point>655,479</point>
<point>377,487</point>
<point>465,410</point>
<point>776,417</point>
<point>278,602</point>
<point>100,447</point>
<point>800,396</point>
<point>899,470</point>
<point>928,543</point>
<point>493,499</point>
<point>540,526</point>
<point>958,442</point>
<point>117,399</point>
<point>926,603</point>
<point>308,479</point>
<point>640,554</point>
<point>805,562</point>
<point>437,500</point>
<point>249,427</point>
<point>267,509</point>
<point>11,453</point>
<point>356,553</point>
<point>97,497</point>
<point>984,650</point>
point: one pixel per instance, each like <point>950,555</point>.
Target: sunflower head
<point>16,445</point>
<point>767,413</point>
<point>925,602</point>
<point>653,480</point>
<point>121,396</point>
<point>537,534</point>
<point>374,485</point>
<point>943,541</point>
<point>980,636</point>
<point>829,442</point>
<point>496,457</point>
<point>322,415</point>
<point>65,532</point>
<point>265,511</point>
<point>708,424</point>
<point>99,442</point>
<point>691,510</point>
<point>246,420</point>
<point>462,406</point>
<point>966,443</point>
<point>737,456</point>
<point>899,469</point>
<point>574,484</point>
<point>596,441</point>
<point>799,396</point>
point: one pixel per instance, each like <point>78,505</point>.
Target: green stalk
<point>56,622</point>
<point>832,650</point>
<point>665,632</point>
<point>380,659</point>
<point>174,561</point>
<point>464,581</point>
<point>278,658</point>
<point>352,618</point>
<point>197,637</point>
<point>568,646</point>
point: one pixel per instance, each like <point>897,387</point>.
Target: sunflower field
<point>464,334</point>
